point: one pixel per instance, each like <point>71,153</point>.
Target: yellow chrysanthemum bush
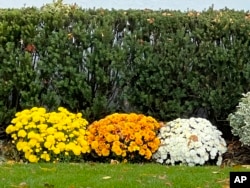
<point>49,136</point>
<point>124,137</point>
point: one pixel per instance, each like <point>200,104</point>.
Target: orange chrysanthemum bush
<point>124,137</point>
<point>49,136</point>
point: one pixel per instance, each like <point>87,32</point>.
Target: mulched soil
<point>236,154</point>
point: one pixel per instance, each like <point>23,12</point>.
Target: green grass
<point>98,175</point>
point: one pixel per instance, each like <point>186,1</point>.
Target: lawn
<point>99,175</point>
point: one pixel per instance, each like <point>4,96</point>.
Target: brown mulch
<point>236,154</point>
<point>8,151</point>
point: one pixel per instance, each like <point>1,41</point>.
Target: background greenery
<point>166,64</point>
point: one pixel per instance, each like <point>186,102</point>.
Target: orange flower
<point>148,154</point>
<point>94,144</point>
<point>139,142</point>
<point>133,147</point>
<point>110,138</point>
<point>105,152</point>
<point>142,151</point>
<point>117,150</point>
<point>125,134</point>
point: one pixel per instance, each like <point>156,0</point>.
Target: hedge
<point>165,63</point>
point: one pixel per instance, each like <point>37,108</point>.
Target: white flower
<point>191,141</point>
<point>159,160</point>
<point>219,161</point>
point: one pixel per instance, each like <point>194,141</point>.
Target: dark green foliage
<point>166,63</point>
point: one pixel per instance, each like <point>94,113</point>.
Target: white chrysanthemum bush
<point>240,120</point>
<point>193,141</point>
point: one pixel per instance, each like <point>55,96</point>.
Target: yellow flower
<point>14,120</point>
<point>10,129</point>
<point>50,141</point>
<point>41,111</point>
<point>19,125</point>
<point>61,109</point>
<point>27,154</point>
<point>25,120</point>
<point>79,115</point>
<point>76,133</point>
<point>85,149</point>
<point>55,132</point>
<point>76,150</point>
<point>21,145</point>
<point>33,159</point>
<point>56,150</point>
<point>32,142</point>
<point>37,150</point>
<point>47,144</point>
<point>45,156</point>
<point>82,141</point>
<point>21,133</point>
<point>42,127</point>
<point>31,135</point>
<point>61,146</point>
<point>60,136</point>
<point>33,109</point>
<point>26,148</point>
<point>14,136</point>
<point>36,118</point>
<point>51,130</point>
<point>82,131</point>
<point>70,146</point>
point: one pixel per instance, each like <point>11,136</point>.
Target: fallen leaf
<point>139,181</point>
<point>215,172</point>
<point>14,186</point>
<point>237,166</point>
<point>169,184</point>
<point>246,166</point>
<point>225,182</point>
<point>114,161</point>
<point>47,169</point>
<point>162,177</point>
<point>106,177</point>
<point>23,185</point>
<point>11,162</point>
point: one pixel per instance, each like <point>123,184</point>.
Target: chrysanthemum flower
<point>46,136</point>
<point>126,134</point>
<point>192,141</point>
